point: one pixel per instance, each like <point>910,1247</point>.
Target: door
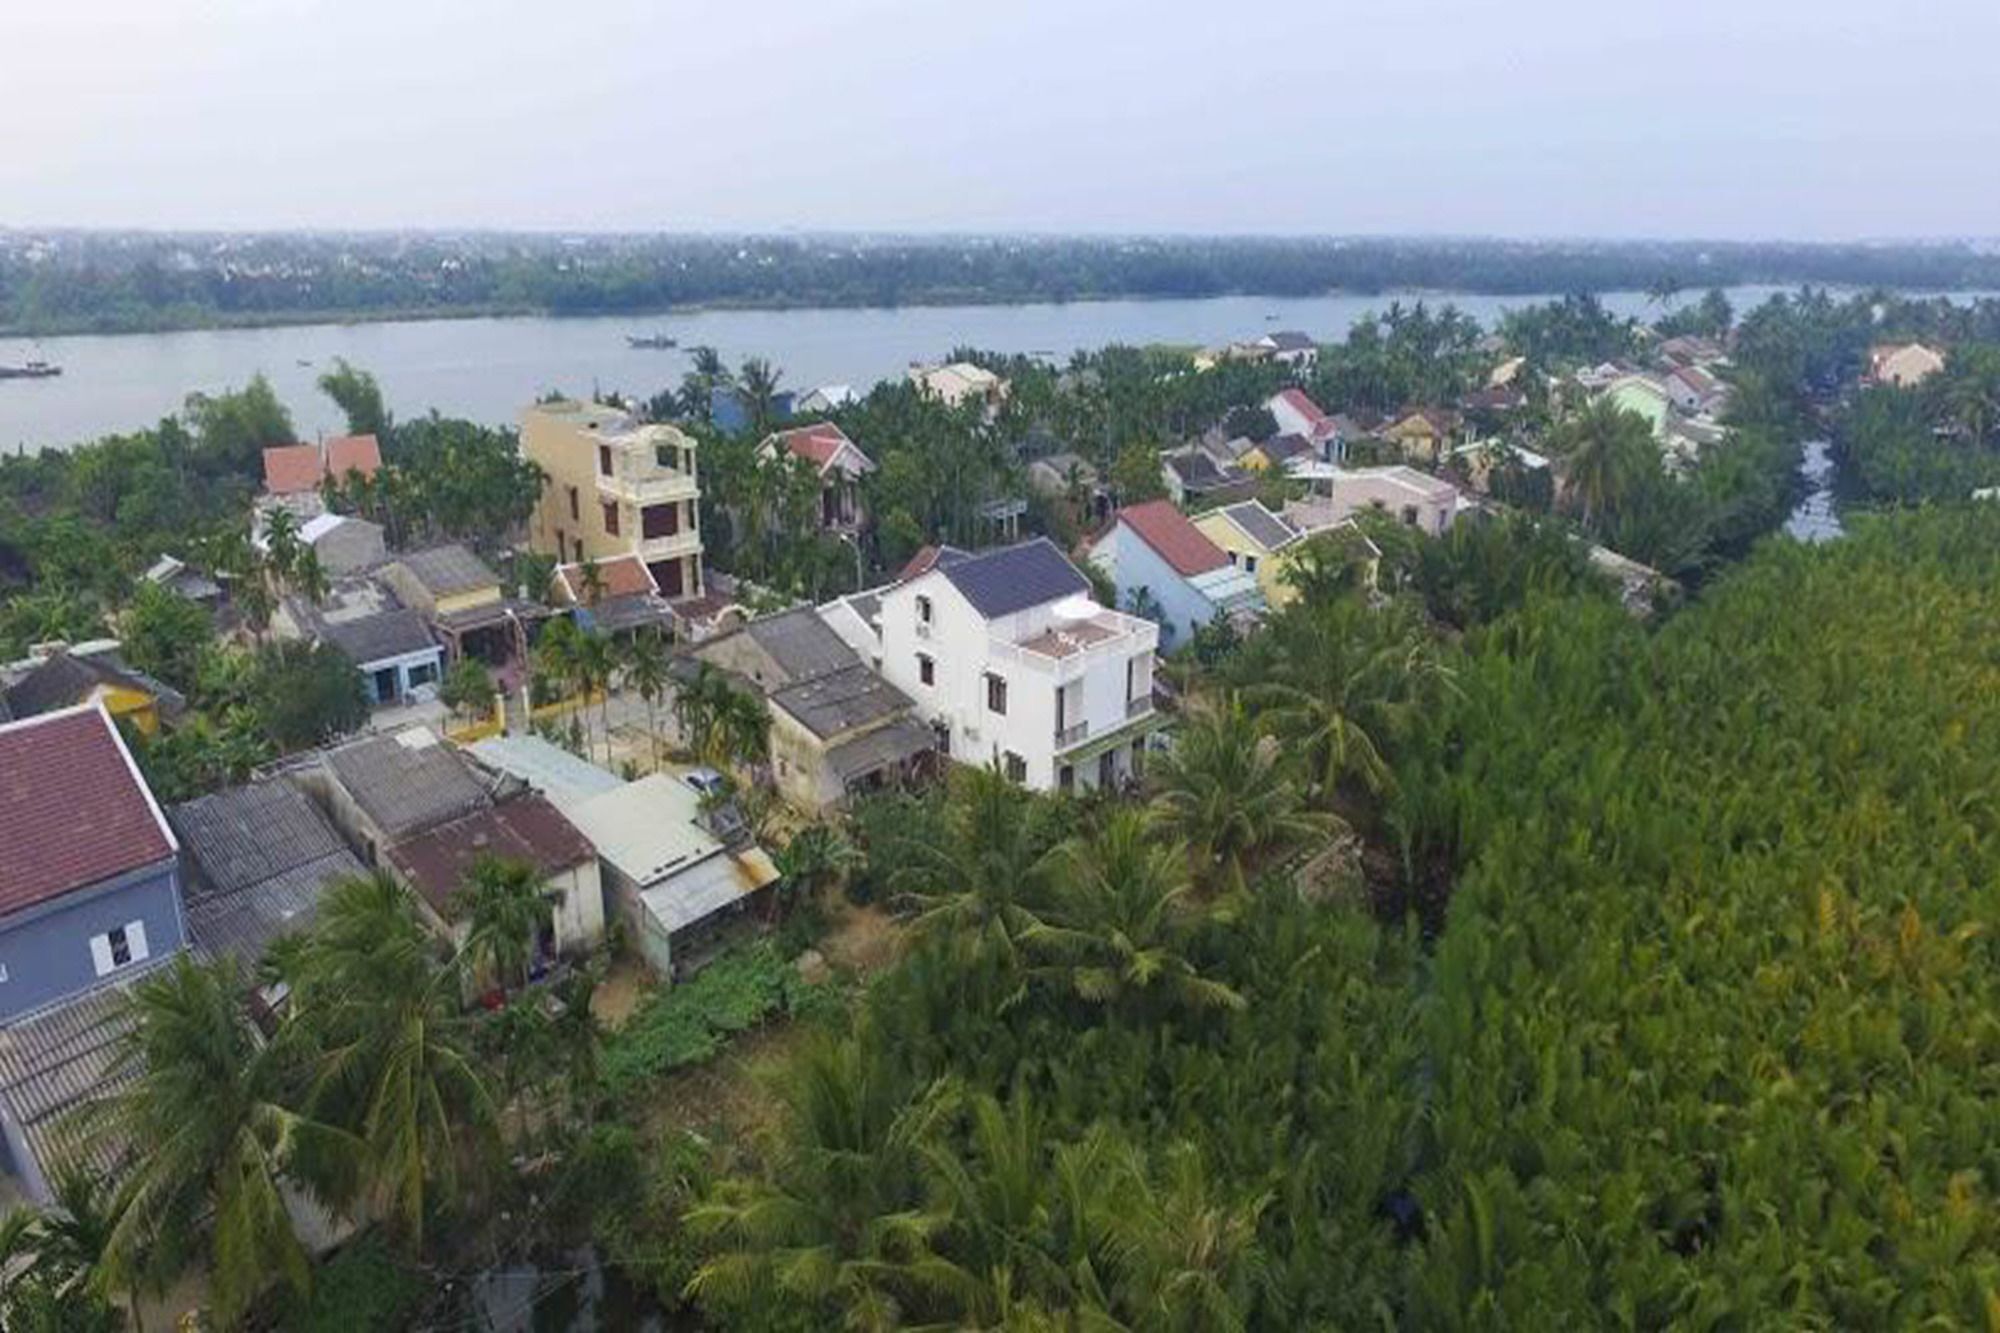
<point>385,686</point>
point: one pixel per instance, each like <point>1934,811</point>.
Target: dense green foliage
<point>1705,1038</point>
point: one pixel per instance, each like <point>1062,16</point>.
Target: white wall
<point>960,644</point>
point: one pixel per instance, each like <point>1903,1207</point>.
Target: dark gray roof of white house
<point>1289,340</point>
<point>406,788</point>
<point>449,569</point>
<point>841,701</point>
<point>1013,578</point>
<point>379,637</point>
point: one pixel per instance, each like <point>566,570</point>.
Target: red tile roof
<point>622,576</point>
<point>926,559</point>
<point>1176,540</point>
<point>353,453</point>
<point>291,468</point>
<point>525,829</point>
<point>1296,399</point>
<point>73,810</point>
<point>819,443</point>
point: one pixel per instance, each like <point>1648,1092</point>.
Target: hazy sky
<point>1712,118</point>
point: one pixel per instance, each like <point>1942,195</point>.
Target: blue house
<point>89,897</point>
<point>730,411</point>
<point>1165,566</point>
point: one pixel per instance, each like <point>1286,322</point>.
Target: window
<point>926,669</point>
<point>1410,515</point>
<point>996,694</point>
<point>575,513</point>
<point>657,521</point>
<point>924,610</point>
<point>1066,779</point>
<point>1017,767</point>
<point>604,460</point>
<point>562,543</point>
<point>1232,557</point>
<point>667,457</point>
<point>119,947</point>
<point>1249,564</point>
<point>610,518</point>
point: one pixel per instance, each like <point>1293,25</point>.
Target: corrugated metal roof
<point>712,886</point>
<point>646,830</point>
<point>840,701</point>
<point>1260,525</point>
<point>447,570</point>
<point>548,768</point>
<point>246,835</point>
<point>899,741</point>
<point>407,782</point>
<point>242,924</point>
<point>802,645</point>
<point>528,829</point>
<point>378,638</point>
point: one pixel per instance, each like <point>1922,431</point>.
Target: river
<point>485,369</point>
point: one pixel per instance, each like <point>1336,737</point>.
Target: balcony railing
<point>1072,735</point>
<point>1138,707</point>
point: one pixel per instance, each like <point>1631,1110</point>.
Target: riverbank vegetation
<point>70,282</point>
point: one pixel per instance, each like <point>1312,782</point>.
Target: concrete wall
<point>46,949</point>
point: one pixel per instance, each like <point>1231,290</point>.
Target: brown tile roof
<point>819,443</point>
<point>1170,534</point>
<point>928,558</point>
<point>291,468</point>
<point>622,576</point>
<point>525,829</point>
<point>73,810</point>
<point>353,453</point>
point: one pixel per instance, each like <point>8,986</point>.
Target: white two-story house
<point>1013,662</point>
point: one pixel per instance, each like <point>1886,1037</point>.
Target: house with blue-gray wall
<point>1165,567</point>
<point>90,897</point>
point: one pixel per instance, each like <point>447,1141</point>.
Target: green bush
<point>686,1024</point>
<point>360,1289</point>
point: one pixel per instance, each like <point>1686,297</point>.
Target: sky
<point>1802,119</point>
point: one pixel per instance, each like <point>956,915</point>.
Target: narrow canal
<point>1815,519</point>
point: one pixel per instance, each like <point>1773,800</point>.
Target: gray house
<point>89,900</point>
<point>259,857</point>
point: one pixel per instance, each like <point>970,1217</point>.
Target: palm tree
<point>595,663</point>
<point>743,729</point>
<point>1186,1256</point>
<point>979,893</point>
<point>592,579</point>
<point>835,1222</point>
<point>1224,786</point>
<point>212,1146</point>
<point>1604,449</point>
<point>309,576</point>
<point>817,856</point>
<point>555,655</point>
<point>393,1060</point>
<point>1121,917</point>
<point>508,910</point>
<point>281,539</point>
<point>759,385</point>
<point>647,671</point>
<point>698,706</point>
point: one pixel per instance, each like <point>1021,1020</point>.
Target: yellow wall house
<point>616,487</point>
<point>1421,435</point>
<point>1257,541</point>
<point>88,673</point>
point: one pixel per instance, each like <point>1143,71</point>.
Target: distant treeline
<point>96,281</point>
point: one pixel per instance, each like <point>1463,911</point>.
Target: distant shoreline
<point>222,323</point>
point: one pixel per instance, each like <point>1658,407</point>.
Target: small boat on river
<point>30,370</point>
<point>649,341</point>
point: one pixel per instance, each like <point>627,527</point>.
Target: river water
<point>486,369</point>
<point>1815,519</point>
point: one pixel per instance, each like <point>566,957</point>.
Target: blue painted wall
<point>1132,564</point>
<point>46,950</point>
